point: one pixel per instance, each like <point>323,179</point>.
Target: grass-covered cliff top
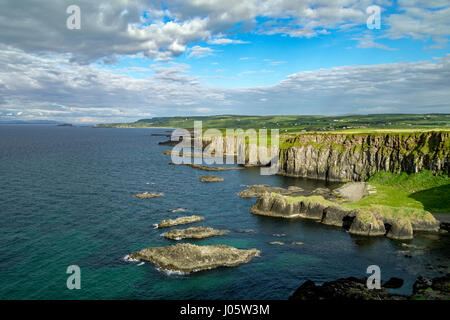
<point>417,191</point>
<point>303,123</point>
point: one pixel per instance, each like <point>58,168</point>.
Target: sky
<point>140,59</point>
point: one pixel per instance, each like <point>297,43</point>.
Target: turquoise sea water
<point>67,198</point>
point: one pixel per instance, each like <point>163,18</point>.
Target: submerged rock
<point>182,220</point>
<point>188,257</point>
<point>147,195</point>
<point>393,283</point>
<point>211,178</point>
<point>194,233</point>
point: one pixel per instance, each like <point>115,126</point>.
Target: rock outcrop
<point>374,220</point>
<point>188,257</point>
<point>147,195</point>
<point>347,157</point>
<point>194,233</point>
<point>211,178</point>
<point>342,289</point>
<point>182,220</point>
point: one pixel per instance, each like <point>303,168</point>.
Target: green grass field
<point>299,123</point>
<point>423,191</point>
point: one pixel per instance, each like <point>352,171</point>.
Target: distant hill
<point>296,123</point>
<point>29,122</point>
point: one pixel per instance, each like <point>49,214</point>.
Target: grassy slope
<point>422,191</point>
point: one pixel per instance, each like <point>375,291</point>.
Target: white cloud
<point>368,42</point>
<point>54,88</point>
<point>200,52</point>
<point>117,27</point>
<point>225,41</point>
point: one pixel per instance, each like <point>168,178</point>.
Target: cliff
<point>355,157</point>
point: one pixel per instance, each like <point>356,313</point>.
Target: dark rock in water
<point>356,289</point>
<point>168,143</point>
<point>445,226</point>
<point>160,135</point>
<point>432,289</point>
<point>341,289</point>
<point>393,283</point>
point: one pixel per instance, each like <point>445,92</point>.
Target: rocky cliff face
<point>341,157</point>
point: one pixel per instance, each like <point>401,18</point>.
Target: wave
<point>127,258</point>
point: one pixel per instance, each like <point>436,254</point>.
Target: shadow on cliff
<point>434,199</point>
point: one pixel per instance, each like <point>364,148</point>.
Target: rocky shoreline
<point>394,223</point>
<point>356,289</point>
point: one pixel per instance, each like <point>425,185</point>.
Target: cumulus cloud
<point>422,20</point>
<point>36,87</point>
<point>162,30</point>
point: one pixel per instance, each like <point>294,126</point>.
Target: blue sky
<point>144,58</point>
